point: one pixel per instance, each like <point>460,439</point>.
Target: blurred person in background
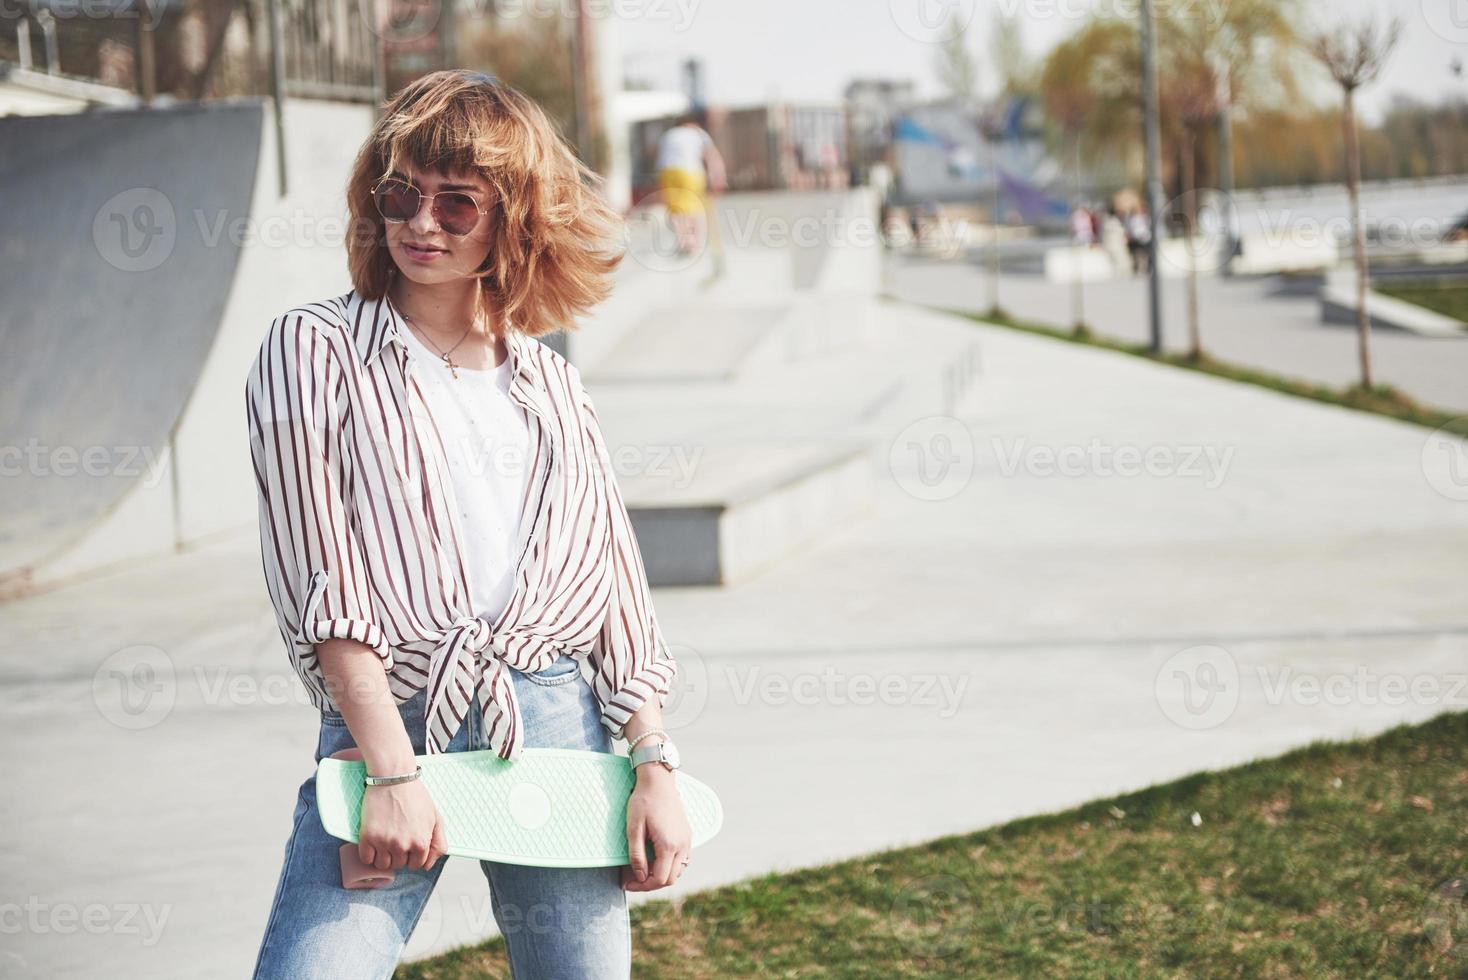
<point>1138,238</point>
<point>688,166</point>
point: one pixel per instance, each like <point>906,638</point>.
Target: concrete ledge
<point>751,506</point>
<point>1266,254</point>
<point>1338,305</point>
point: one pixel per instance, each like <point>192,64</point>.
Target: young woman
<point>444,542</point>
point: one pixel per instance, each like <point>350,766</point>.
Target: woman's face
<point>424,251</point>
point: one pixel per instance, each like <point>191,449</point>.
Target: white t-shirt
<point>486,438</point>
<point>683,146</point>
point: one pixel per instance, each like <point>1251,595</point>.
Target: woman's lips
<point>423,254</point>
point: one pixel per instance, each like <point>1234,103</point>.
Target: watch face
<point>670,755</point>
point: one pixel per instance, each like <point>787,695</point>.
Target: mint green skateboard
<point>553,808</point>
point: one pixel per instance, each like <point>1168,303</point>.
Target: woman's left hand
<point>655,814</point>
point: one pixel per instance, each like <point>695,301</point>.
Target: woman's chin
<point>425,276</point>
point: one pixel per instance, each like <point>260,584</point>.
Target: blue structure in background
<point>950,152</point>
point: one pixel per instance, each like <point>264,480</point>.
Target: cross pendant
<point>453,369</point>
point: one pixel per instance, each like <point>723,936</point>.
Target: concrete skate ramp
<point>120,238</point>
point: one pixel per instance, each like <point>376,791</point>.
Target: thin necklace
<point>444,354</point>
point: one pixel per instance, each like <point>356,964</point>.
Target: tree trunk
<point>1358,234</point>
<point>1190,195</point>
<point>147,60</point>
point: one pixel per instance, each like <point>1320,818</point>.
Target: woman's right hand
<point>401,827</point>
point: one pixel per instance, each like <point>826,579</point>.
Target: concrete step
<point>748,506</point>
<point>722,477</point>
<point>712,341</point>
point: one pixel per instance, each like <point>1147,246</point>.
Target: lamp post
<point>1154,171</point>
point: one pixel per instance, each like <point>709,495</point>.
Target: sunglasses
<point>456,212</point>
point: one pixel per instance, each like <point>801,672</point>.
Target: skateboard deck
<point>557,808</point>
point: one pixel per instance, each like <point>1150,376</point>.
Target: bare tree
<point>1354,54</point>
<point>957,69</point>
<point>1212,63</point>
<point>1078,86</point>
<point>1192,98</point>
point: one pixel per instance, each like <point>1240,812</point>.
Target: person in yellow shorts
<point>688,164</point>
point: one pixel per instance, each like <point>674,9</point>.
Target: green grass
<point>1379,400</point>
<point>1446,296</point>
<point>1336,860</point>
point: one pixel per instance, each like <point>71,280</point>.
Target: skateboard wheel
<point>355,874</point>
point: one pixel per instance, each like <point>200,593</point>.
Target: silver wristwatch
<point>661,750</point>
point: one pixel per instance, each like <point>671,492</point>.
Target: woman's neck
<point>441,314</point>
<point>443,311</point>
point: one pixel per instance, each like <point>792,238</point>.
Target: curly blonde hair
<point>555,241</point>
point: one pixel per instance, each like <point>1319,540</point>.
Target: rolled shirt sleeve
<point>314,569</point>
<point>630,657</point>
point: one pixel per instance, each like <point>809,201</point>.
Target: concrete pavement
<point>1256,321</point>
<point>1106,574</point>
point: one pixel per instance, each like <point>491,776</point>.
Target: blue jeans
<point>557,922</point>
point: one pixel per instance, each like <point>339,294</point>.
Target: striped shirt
<point>359,537</point>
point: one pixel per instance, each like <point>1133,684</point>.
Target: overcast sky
<point>753,50</point>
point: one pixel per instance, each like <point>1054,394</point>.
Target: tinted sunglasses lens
<point>456,213</point>
<point>397,201</point>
